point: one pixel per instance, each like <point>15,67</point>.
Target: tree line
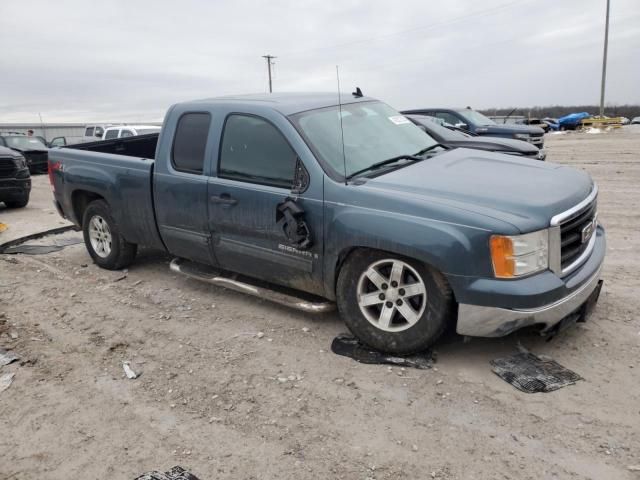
<point>556,111</point>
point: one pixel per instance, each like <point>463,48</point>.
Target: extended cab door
<point>259,227</point>
<point>180,185</point>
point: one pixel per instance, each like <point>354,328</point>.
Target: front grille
<point>571,241</point>
<point>7,168</point>
<point>36,158</point>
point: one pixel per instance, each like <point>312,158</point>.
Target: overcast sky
<point>129,60</point>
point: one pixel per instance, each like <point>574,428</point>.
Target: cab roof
<point>287,103</point>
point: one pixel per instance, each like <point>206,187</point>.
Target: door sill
<point>280,295</point>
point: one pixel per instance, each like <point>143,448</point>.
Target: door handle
<point>223,199</point>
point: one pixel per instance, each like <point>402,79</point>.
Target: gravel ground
<point>232,387</point>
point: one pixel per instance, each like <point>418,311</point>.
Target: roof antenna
<point>357,93</point>
<point>344,159</point>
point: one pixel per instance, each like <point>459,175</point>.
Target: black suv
<point>15,180</point>
<point>32,149</point>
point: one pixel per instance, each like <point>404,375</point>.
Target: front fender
<point>450,248</point>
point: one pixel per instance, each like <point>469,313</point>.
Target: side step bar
<point>216,277</point>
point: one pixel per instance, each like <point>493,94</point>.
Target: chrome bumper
<point>477,321</point>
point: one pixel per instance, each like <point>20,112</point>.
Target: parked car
<point>572,121</point>
<point>476,122</point>
<point>15,180</point>
<point>635,120</point>
<point>455,138</point>
<point>32,149</point>
<point>129,131</point>
<point>406,236</point>
<point>96,132</point>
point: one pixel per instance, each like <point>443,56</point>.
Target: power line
<point>269,64</point>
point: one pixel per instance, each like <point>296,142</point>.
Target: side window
<point>190,142</point>
<point>126,133</point>
<point>99,131</point>
<point>111,134</point>
<point>88,132</point>
<point>253,150</point>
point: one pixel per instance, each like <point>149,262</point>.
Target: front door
<point>253,213</point>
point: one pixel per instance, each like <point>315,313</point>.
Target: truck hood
<point>496,144</point>
<point>525,193</point>
<point>509,129</point>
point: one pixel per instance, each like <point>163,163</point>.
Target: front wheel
<point>103,240</point>
<point>393,304</point>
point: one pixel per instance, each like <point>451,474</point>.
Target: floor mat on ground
<point>28,249</point>
<point>531,374</point>
<point>349,346</point>
<point>176,473</point>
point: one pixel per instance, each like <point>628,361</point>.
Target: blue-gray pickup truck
<point>312,203</point>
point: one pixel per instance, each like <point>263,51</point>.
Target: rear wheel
<point>393,304</point>
<point>103,240</point>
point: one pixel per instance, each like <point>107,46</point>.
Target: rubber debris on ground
<point>532,374</point>
<point>176,473</point>
<point>349,346</point>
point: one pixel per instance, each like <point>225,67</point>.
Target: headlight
<point>21,163</point>
<point>518,255</point>
<point>522,136</point>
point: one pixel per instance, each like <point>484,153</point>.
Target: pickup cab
<point>479,124</point>
<point>311,203</point>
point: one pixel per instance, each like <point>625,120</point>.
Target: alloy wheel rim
<point>391,295</point>
<point>100,236</point>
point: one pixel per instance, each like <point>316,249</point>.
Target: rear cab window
<point>190,142</point>
<point>254,150</point>
<point>88,132</point>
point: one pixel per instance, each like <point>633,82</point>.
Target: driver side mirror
<point>300,178</point>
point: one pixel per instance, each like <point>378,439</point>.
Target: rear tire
<point>18,202</point>
<point>103,239</point>
<point>392,303</point>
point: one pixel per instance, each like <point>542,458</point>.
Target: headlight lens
<point>521,136</point>
<point>21,163</point>
<point>518,255</point>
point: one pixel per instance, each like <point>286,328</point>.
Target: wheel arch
<point>80,200</point>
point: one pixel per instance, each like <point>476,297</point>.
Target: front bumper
<point>12,187</point>
<point>549,307</point>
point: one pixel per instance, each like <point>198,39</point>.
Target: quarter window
<point>190,142</point>
<point>253,150</point>
<point>126,133</point>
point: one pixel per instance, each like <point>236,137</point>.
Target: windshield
<point>24,143</point>
<point>439,131</point>
<point>373,132</point>
<point>475,118</point>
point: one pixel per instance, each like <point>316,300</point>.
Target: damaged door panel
<point>265,215</point>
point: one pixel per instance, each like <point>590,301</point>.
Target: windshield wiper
<point>383,163</point>
<point>429,148</point>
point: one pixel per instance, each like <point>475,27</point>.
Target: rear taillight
<point>53,166</point>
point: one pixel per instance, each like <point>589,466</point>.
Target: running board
<point>216,277</point>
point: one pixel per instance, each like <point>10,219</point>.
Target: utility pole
<point>269,63</point>
<point>604,61</point>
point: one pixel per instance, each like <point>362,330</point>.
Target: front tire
<point>393,304</point>
<point>103,239</point>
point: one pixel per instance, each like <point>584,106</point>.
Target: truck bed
<point>142,146</point>
<point>121,172</point>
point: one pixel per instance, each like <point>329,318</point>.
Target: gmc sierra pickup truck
<point>312,203</point>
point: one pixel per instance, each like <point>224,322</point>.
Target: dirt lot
<point>227,403</point>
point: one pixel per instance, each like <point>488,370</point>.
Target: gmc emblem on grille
<point>587,232</point>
